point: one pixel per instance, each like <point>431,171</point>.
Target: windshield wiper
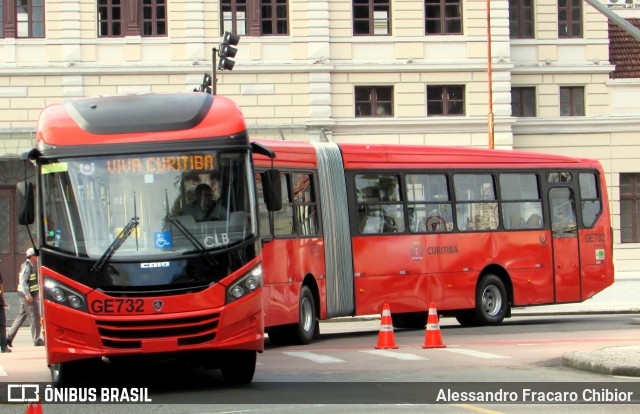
<point>186,233</point>
<point>191,238</point>
<point>115,245</point>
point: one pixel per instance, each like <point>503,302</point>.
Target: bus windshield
<point>162,204</point>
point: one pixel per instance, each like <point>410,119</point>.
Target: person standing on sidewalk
<point>28,293</point>
<point>3,321</point>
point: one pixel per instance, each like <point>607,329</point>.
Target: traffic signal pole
<point>214,79</point>
<point>225,52</point>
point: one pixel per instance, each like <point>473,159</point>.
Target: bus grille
<point>127,334</point>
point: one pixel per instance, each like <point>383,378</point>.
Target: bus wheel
<point>308,326</point>
<point>72,372</point>
<point>491,300</point>
<point>411,320</point>
<point>239,368</point>
<point>467,317</point>
<point>279,335</point>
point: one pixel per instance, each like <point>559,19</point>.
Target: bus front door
<point>566,255</point>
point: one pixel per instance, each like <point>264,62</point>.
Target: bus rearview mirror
<point>272,189</point>
<point>25,206</point>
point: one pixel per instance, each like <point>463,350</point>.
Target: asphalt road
<point>343,368</point>
<point>477,355</point>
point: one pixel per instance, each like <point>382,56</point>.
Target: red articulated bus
<point>125,270</point>
<point>476,231</point>
<point>301,232</point>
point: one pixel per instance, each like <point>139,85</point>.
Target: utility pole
<point>491,125</point>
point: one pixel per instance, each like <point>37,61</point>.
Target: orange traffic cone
<point>433,339</point>
<point>34,408</point>
<point>386,339</point>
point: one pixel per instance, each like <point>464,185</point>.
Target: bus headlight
<point>62,294</point>
<point>248,283</point>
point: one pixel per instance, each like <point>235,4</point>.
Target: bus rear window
<point>590,198</point>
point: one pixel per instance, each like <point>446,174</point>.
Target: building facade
<point>369,71</point>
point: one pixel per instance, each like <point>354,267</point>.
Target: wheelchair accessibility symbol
<point>162,239</point>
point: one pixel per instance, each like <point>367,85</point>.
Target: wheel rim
<point>306,314</point>
<point>491,300</point>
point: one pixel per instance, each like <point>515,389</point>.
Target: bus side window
<point>476,204</point>
<point>305,204</point>
<point>379,207</point>
<point>263,214</point>
<point>520,200</point>
<point>429,203</point>
<point>283,219</point>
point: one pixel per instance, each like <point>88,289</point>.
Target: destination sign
<point>149,165</point>
<point>160,164</point>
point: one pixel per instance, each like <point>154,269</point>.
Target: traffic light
<point>227,51</point>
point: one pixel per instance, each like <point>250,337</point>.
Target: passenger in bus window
<point>562,222</point>
<point>435,222</point>
<point>534,221</point>
<point>207,205</point>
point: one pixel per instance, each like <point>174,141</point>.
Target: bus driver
<point>207,205</point>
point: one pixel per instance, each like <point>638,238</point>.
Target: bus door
<point>566,253</point>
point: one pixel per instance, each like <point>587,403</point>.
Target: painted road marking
<point>320,359</point>
<point>3,373</point>
<point>476,409</point>
<point>396,355</point>
<point>476,354</point>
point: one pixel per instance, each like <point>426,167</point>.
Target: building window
<point>254,17</point>
<point>374,101</point>
<point>521,19</point>
<point>109,18</point>
<point>569,19</point>
<point>523,101</point>
<point>571,101</point>
<point>115,18</point>
<point>154,18</point>
<point>443,17</point>
<point>445,100</point>
<point>630,208</point>
<point>22,19</point>
<point>275,17</point>
<point>371,17</point>
<point>234,16</point>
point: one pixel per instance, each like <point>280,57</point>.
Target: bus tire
<point>239,368</point>
<point>410,320</point>
<point>492,303</point>
<point>280,335</point>
<point>467,317</point>
<point>308,326</point>
<point>72,372</point>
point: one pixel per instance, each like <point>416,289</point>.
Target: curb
<point>609,361</point>
<point>515,312</point>
<point>521,312</point>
